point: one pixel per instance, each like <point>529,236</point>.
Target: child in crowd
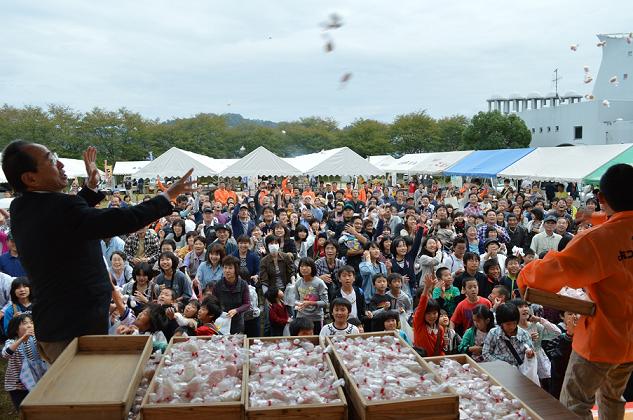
<point>428,335</point>
<point>462,318</point>
<point>513,267</point>
<point>529,256</point>
<point>562,351</point>
<point>310,294</point>
<point>473,340</point>
<point>506,341</point>
<point>301,327</point>
<point>390,321</point>
<point>277,312</point>
<point>380,301</point>
<point>445,293</point>
<point>356,322</point>
<point>340,310</point>
<point>21,345</point>
<point>209,311</point>
<point>400,301</point>
<point>353,294</point>
<point>451,338</point>
<point>499,296</point>
<point>189,317</point>
<point>492,270</point>
<point>539,329</point>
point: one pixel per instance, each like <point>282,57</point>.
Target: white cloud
<point>266,58</point>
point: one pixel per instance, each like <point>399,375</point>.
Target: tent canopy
<point>381,161</point>
<point>176,162</point>
<point>624,157</point>
<point>432,163</point>
<point>571,164</point>
<point>260,162</point>
<point>129,167</point>
<point>342,161</point>
<point>487,163</point>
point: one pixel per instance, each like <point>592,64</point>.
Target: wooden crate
<point>436,407</point>
<point>233,410</point>
<point>562,303</point>
<point>463,359</point>
<point>95,377</point>
<point>335,411</point>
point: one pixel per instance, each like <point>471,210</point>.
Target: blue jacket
<point>252,261</point>
<point>236,224</point>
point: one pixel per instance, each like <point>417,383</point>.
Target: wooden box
<point>441,406</point>
<point>94,378</point>
<point>233,410</point>
<point>562,303</point>
<point>335,411</point>
<point>463,359</point>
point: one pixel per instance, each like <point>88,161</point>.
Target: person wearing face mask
<point>276,269</point>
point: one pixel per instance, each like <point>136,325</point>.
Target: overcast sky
<point>265,59</point>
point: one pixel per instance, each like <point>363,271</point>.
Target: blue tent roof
<point>486,163</point>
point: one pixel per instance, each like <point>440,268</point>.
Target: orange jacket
<point>348,194</point>
<point>601,261</point>
<point>221,195</point>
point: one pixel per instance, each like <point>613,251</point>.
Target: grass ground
<point>6,408</point>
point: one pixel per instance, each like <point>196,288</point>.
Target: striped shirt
<point>14,366</point>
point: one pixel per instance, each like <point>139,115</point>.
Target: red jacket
<point>421,336</point>
<point>278,314</point>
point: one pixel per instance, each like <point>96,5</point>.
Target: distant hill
<point>233,120</point>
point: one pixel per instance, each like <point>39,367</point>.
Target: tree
<point>451,130</point>
<point>366,137</point>
<point>414,133</point>
<point>494,130</point>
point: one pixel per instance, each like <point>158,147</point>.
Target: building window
<point>630,53</point>
<point>556,129</point>
<point>540,130</point>
<point>578,132</point>
<point>626,76</point>
<point>549,129</point>
<point>533,130</point>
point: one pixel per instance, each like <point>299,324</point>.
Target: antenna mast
<point>555,80</point>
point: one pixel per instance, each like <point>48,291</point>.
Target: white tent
<point>260,162</point>
<point>342,161</point>
<point>426,163</point>
<point>129,167</point>
<point>564,164</point>
<point>381,161</point>
<point>436,163</point>
<point>176,162</point>
<point>221,164</point>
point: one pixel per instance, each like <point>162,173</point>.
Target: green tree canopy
<point>494,130</point>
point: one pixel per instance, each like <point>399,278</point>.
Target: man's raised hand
<point>183,185</point>
<point>92,173</point>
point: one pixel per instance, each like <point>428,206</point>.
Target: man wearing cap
<point>223,233</point>
<point>206,229</point>
<point>10,262</point>
<point>356,203</point>
<point>547,239</point>
<point>348,215</point>
<point>241,221</point>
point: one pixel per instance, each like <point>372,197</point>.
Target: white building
<point>571,119</point>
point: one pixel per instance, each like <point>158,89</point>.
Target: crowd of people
<point>325,259</point>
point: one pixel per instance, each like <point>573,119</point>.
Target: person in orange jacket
<point>427,332</point>
<point>600,260</point>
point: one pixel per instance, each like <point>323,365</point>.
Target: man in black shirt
<point>68,300</point>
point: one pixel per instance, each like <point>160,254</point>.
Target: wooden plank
<point>96,383</point>
<point>534,396</point>
<point>220,410</point>
<point>562,303</point>
<point>465,359</point>
<point>441,406</point>
<point>333,411</point>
